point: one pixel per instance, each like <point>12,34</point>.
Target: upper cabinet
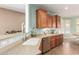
<point>58,21</point>
<point>43,20</point>
<point>49,21</point>
<point>54,21</point>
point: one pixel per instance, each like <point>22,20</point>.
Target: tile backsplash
<point>47,30</point>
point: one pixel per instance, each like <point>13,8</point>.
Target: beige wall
<point>10,20</point>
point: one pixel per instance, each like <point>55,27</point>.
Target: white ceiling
<point>14,7</point>
<point>73,9</point>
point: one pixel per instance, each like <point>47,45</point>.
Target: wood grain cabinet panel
<point>61,38</point>
<point>53,21</point>
<point>49,22</point>
<point>47,43</point>
<point>41,18</point>
<point>53,42</point>
<point>58,22</point>
<point>56,40</point>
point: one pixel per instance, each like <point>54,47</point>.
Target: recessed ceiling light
<point>66,8</point>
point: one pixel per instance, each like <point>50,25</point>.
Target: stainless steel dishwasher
<point>45,44</point>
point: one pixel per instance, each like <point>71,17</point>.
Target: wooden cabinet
<point>41,18</point>
<point>58,22</point>
<point>56,40</point>
<point>61,38</point>
<point>53,21</point>
<point>45,45</point>
<point>50,42</point>
<point>49,21</point>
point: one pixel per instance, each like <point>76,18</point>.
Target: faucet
<point>48,31</point>
<point>44,33</point>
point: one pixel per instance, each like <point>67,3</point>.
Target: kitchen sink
<point>32,41</point>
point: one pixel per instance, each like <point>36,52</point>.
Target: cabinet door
<point>53,21</point>
<point>41,18</point>
<point>46,44</point>
<point>61,38</point>
<point>52,42</point>
<point>58,22</point>
<point>49,22</point>
<point>58,40</point>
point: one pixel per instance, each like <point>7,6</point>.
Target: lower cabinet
<point>61,38</point>
<point>50,42</point>
<point>57,40</point>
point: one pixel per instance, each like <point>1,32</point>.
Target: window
<point>67,26</point>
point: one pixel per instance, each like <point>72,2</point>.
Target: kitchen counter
<point>45,35</point>
<point>29,47</point>
<point>10,35</point>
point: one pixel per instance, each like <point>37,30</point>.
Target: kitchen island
<point>50,41</point>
